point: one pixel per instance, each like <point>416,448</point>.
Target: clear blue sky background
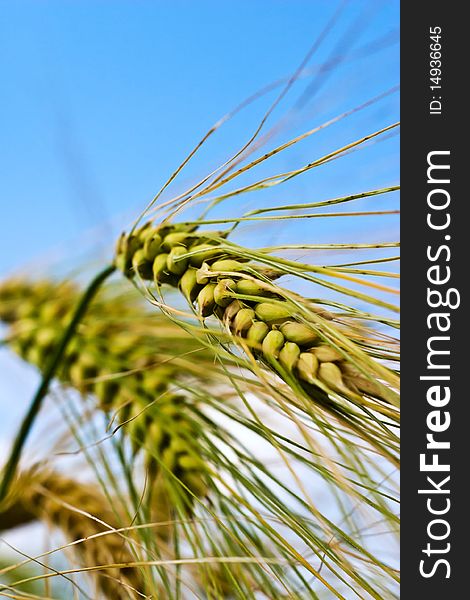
<point>101,100</point>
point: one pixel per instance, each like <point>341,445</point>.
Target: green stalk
<point>49,372</point>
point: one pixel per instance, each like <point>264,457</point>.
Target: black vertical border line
<point>422,133</point>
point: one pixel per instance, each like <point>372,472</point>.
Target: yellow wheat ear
<point>82,513</point>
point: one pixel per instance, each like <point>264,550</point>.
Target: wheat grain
<point>213,278</point>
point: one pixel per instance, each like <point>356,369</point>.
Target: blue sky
<point>101,100</point>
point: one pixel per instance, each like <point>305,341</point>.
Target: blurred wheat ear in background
<point>84,516</point>
<point>125,357</point>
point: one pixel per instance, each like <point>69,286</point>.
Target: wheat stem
<point>48,375</point>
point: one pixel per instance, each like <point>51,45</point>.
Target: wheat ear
<point>82,513</point>
<point>243,297</point>
<point>115,356</point>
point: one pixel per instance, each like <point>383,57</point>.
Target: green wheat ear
<point>295,338</point>
<point>132,362</point>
